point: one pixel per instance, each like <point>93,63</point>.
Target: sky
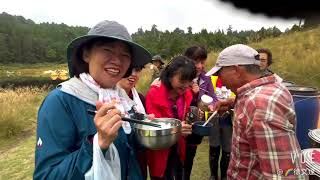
<point>166,14</point>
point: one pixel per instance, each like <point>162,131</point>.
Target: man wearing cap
<point>157,63</point>
<point>264,124</point>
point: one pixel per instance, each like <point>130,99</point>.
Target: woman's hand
<point>200,114</point>
<point>195,88</point>
<point>211,107</point>
<point>107,121</point>
<point>186,128</point>
<point>151,116</point>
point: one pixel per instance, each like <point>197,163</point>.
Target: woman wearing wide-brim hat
<point>66,132</point>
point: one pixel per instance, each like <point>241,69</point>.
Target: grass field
<point>296,59</point>
<point>18,161</point>
<point>18,114</point>
<point>17,134</point>
<point>30,70</point>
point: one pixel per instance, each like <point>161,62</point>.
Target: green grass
<point>18,162</point>
<point>145,80</point>
<point>201,168</point>
<point>20,75</point>
<point>296,56</point>
<point>30,70</point>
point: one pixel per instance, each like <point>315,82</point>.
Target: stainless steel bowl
<point>158,138</point>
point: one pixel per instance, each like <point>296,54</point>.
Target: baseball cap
<point>238,54</point>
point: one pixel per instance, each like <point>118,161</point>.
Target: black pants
<point>174,166</point>
<point>191,142</point>
<point>214,154</point>
<point>190,154</point>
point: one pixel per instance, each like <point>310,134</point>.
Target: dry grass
<point>145,80</point>
<point>18,113</point>
<point>296,57</point>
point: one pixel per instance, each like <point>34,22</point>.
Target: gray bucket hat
<point>110,30</point>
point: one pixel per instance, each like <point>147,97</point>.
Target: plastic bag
<point>104,166</point>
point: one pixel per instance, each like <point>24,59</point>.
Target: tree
<point>229,30</point>
<point>312,21</point>
<point>189,30</point>
<point>23,41</point>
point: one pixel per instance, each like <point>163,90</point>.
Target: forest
<point>24,41</point>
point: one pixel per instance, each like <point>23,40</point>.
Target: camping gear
<point>159,138</point>
<point>199,129</point>
<point>314,137</point>
<point>307,106</point>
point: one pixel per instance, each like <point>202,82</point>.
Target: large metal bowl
<point>158,138</point>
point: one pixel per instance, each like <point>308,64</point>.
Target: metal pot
<point>158,138</point>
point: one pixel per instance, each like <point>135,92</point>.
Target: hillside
<point>24,41</point>
<point>296,56</point>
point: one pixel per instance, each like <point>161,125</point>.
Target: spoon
<point>92,112</point>
<point>209,119</point>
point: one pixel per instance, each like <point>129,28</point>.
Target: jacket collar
<point>256,83</point>
<point>77,88</point>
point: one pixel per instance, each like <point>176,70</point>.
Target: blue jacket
<point>63,150</point>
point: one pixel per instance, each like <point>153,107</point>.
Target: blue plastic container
<point>307,107</point>
<point>200,130</point>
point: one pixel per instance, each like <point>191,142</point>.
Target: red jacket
<point>157,103</point>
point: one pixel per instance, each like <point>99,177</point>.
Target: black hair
<point>139,68</point>
<point>269,54</point>
<point>181,65</point>
<point>78,65</point>
<point>196,52</point>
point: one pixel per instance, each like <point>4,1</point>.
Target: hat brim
<point>140,56</point>
<point>213,70</point>
<point>162,63</point>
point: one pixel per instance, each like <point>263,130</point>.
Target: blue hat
<point>109,30</point>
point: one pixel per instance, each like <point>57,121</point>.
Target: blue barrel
<point>307,105</point>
